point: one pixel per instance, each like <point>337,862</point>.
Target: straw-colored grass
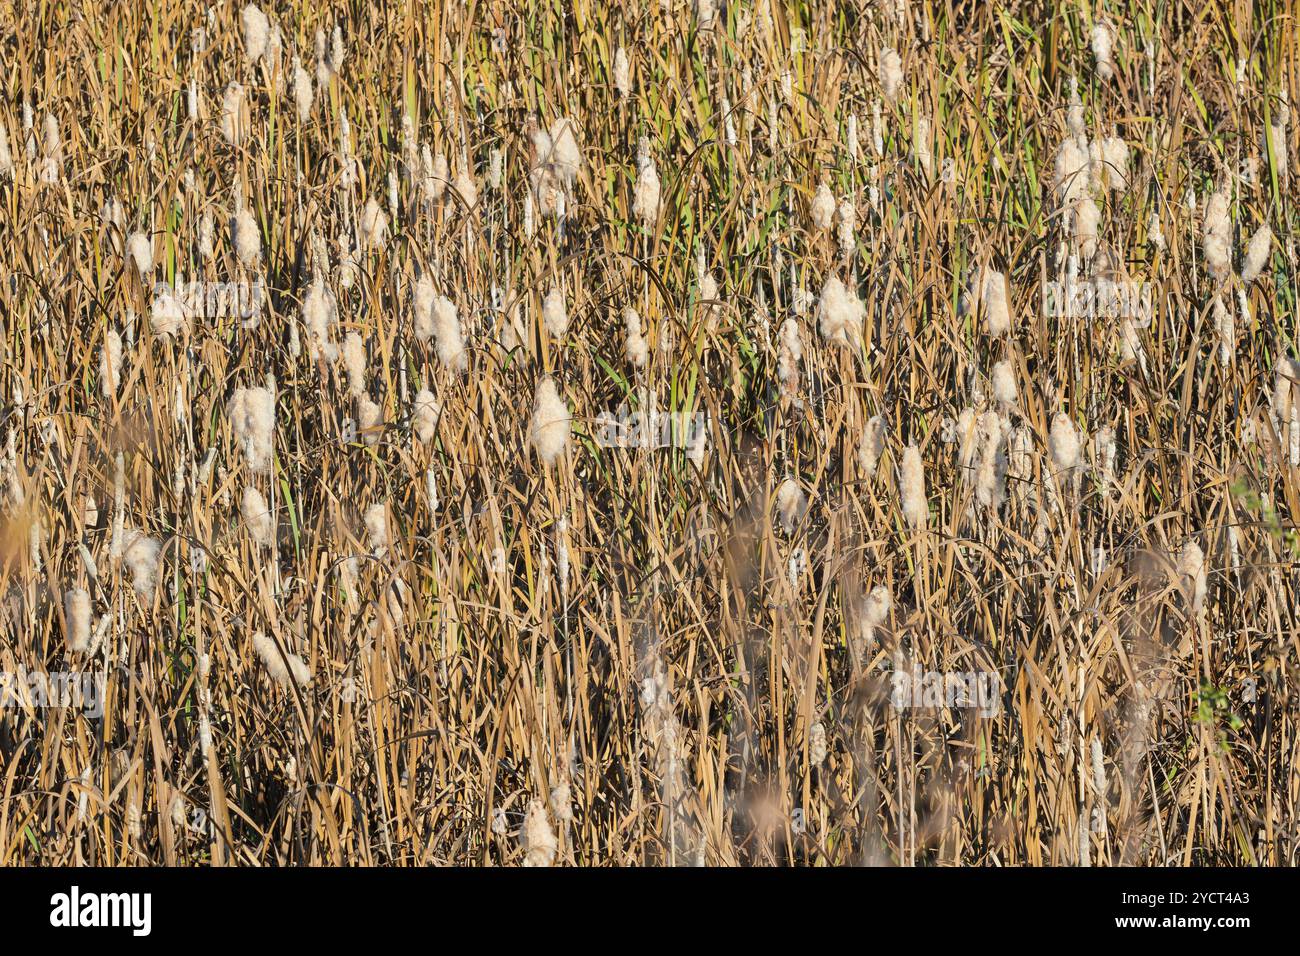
<point>510,643</point>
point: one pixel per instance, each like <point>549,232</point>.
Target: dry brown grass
<point>682,683</point>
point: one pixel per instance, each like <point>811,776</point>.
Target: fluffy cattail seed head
<point>536,838</point>
<point>257,517</point>
<point>446,328</point>
<point>822,208</point>
<point>257,32</point>
<point>554,314</point>
<point>1064,442</point>
<point>1257,254</point>
<point>252,419</point>
<point>551,422</point>
<point>912,488</point>
<point>77,615</point>
<point>890,66</point>
<point>791,504</point>
<point>284,667</point>
<point>840,313</point>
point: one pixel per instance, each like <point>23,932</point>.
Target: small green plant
<point>1213,711</point>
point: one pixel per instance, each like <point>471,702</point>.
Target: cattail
<point>1257,254</point>
<point>139,252</point>
<point>871,445</point>
<point>912,488</point>
<point>1064,442</point>
<point>1191,571</point>
<point>1104,456</point>
<point>376,521</point>
<point>876,609</point>
<point>424,416</point>
<point>1070,174</point>
<point>252,419</point>
<point>141,554</point>
<point>110,364</point>
<point>323,71</point>
<point>529,219</point>
<point>822,208</point>
<point>1286,390</point>
<point>1155,236</point>
<point>1216,240</point>
<point>1087,226</point>
<point>554,314</point>
<point>790,355</point>
<point>52,150</point>
<point>207,237</point>
<point>536,838</point>
<point>1102,41</point>
<point>990,477</point>
<point>709,299</point>
<point>319,315</point>
<point>284,667</point>
<point>1275,139</point>
<point>964,432</point>
<point>1130,345</point>
<point>167,316</point>
<point>354,361</point>
<point>76,611</point>
<point>549,429</point>
<point>634,343</point>
<point>851,137</point>
<point>817,749</point>
<point>422,304</point>
<point>791,504</point>
<point>1004,383</point>
<point>303,93</point>
<point>562,803</point>
<point>369,420</point>
<point>247,238</point>
<point>890,67</point>
<point>337,51</point>
<point>6,154</point>
<point>847,217</point>
<point>450,342</point>
<point>257,31</point>
<point>645,196</point>
<point>1114,163</point>
<point>840,313</point>
<point>373,226</point>
<point>1074,114</point>
<point>1098,768</point>
<point>347,161</point>
<point>496,167</point>
<point>1225,330</point>
<point>622,74</point>
<point>192,100</point>
<point>993,298</point>
<point>257,517</point>
<point>29,143</point>
<point>466,188</point>
<point>434,175</point>
<point>561,151</point>
<point>921,144</point>
<point>234,121</point>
